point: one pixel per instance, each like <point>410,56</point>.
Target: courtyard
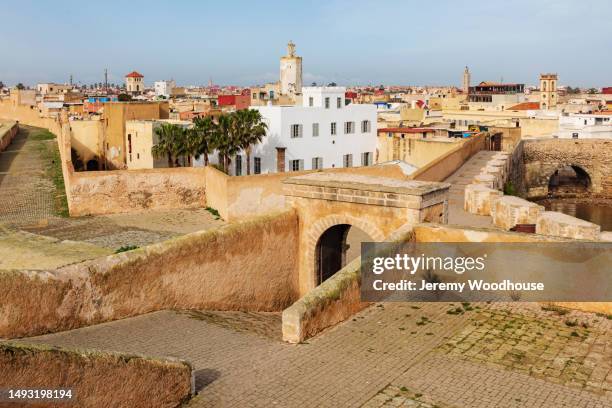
<point>393,354</point>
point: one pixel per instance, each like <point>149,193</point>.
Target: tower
<point>466,81</point>
<point>548,91</point>
<point>134,83</point>
<point>290,72</point>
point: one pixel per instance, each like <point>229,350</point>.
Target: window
<point>311,101</point>
<point>366,159</point>
<point>315,129</point>
<point>238,165</point>
<point>257,165</point>
<point>296,131</point>
<point>317,163</point>
<point>338,103</point>
<point>347,160</point>
<point>365,126</point>
<point>296,165</point>
<point>326,103</point>
<point>349,127</point>
<point>333,128</point>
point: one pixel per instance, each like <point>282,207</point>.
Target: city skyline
<point>342,42</point>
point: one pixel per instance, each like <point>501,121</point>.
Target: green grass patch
<point>49,153</point>
<point>214,213</point>
<point>126,248</point>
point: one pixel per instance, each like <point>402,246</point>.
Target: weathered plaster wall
<point>87,139</point>
<point>242,197</point>
<point>243,266</point>
<point>544,156</point>
<point>109,192</point>
<point>447,164</point>
<point>96,379</point>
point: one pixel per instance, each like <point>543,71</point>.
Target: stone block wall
<point>508,211</point>
<point>96,379</point>
<point>562,225</point>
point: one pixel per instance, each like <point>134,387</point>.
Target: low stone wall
<point>243,266</point>
<point>445,165</point>
<point>332,302</point>
<point>119,191</point>
<point>96,379</point>
<point>508,211</point>
<point>562,225</point>
<point>241,197</point>
<point>479,199</point>
<point>8,130</point>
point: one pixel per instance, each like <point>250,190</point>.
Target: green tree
<point>225,139</point>
<point>250,130</point>
<point>170,138</point>
<point>20,86</point>
<point>1,84</point>
<point>205,130</point>
<point>592,91</point>
<point>123,97</point>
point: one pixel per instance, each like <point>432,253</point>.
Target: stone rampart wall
<point>249,265</point>
<point>95,379</point>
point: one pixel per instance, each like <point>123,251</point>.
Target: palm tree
<point>225,139</point>
<point>251,130</point>
<point>169,142</point>
<point>204,129</point>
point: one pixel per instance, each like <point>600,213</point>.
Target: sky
<point>352,42</point>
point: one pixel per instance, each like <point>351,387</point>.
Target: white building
<point>164,88</point>
<point>322,133</point>
<point>584,126</point>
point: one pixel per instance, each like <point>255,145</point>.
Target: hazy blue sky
<point>349,42</point>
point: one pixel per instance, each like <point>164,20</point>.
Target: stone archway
<point>570,180</point>
<point>376,205</point>
<point>332,231</point>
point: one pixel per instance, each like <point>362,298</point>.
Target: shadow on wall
<point>248,266</point>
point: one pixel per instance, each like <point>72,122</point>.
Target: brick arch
<point>315,230</point>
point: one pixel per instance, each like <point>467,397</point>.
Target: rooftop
<point>526,106</point>
<point>405,130</point>
<point>134,74</point>
<point>367,183</point>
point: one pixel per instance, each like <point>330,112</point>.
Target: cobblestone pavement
<point>459,179</point>
<point>27,196</point>
<point>26,192</point>
<point>396,354</point>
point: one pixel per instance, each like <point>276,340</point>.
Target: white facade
<point>584,126</point>
<point>140,137</point>
<point>164,88</point>
<point>305,132</point>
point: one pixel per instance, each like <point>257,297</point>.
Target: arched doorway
<point>336,247</point>
<point>569,181</point>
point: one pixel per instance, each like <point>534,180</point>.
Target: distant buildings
<point>164,88</point>
<point>466,81</point>
<point>52,88</point>
<point>548,91</point>
<point>495,95</point>
<point>134,83</point>
<point>584,126</point>
<point>323,132</point>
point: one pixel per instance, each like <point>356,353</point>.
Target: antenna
<point>105,80</point>
<point>70,79</point>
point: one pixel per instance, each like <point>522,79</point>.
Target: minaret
<point>290,72</point>
<point>466,81</point>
